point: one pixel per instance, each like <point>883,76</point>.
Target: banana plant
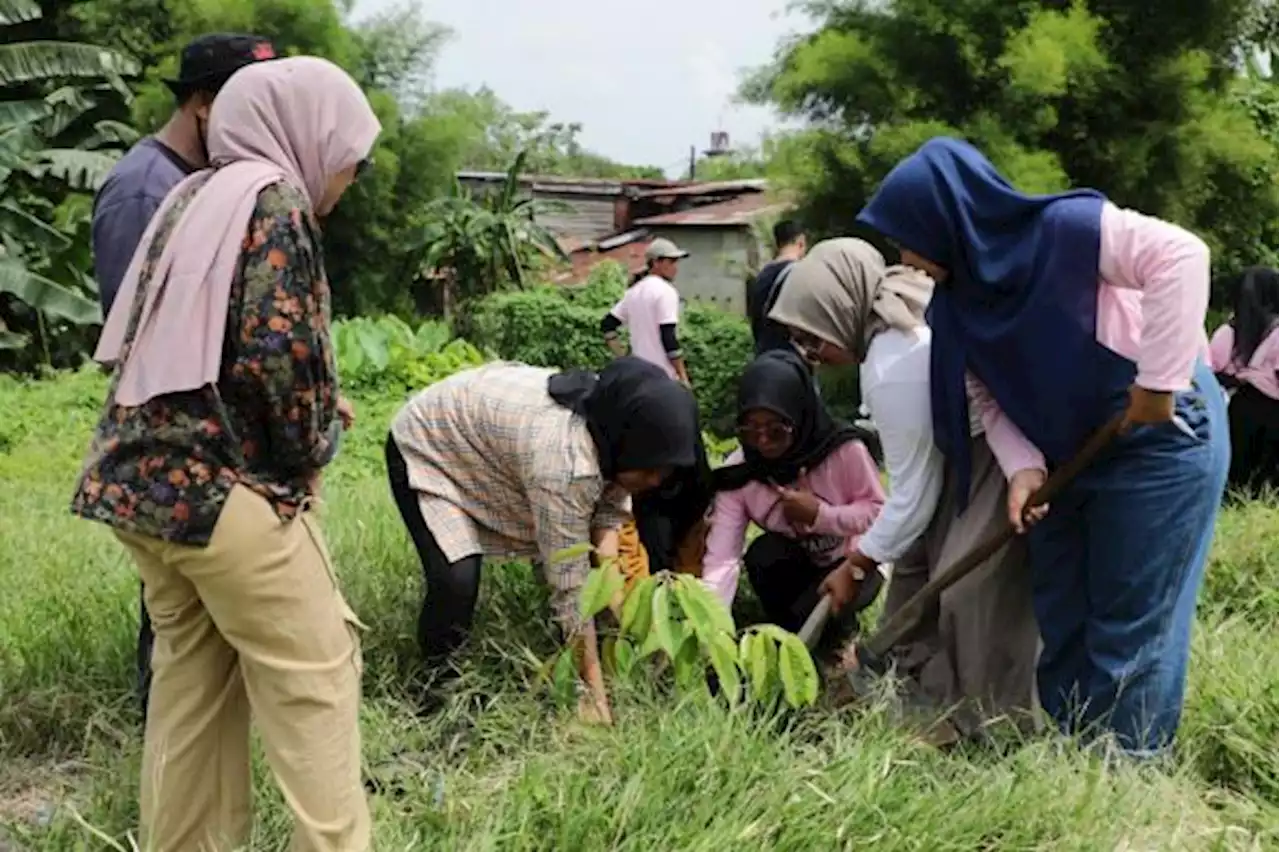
<point>51,159</point>
<point>487,244</point>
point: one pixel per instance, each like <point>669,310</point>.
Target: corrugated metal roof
<point>562,183</point>
<point>626,248</point>
<point>709,188</point>
<point>736,212</point>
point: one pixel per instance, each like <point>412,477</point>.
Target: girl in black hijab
<point>803,478</point>
<point>511,459</point>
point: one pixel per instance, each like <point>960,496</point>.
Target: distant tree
<point>1141,100</point>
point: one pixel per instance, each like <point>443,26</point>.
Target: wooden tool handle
<point>817,620</point>
<point>906,618</point>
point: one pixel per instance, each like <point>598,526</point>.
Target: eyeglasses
<point>774,433</point>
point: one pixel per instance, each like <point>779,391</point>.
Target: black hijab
<point>639,417</point>
<point>781,382</point>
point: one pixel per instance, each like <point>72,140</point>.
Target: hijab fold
<point>638,416</point>
<point>781,382</point>
<point>301,121</point>
<point>841,292</point>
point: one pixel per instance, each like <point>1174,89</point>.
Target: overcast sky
<point>645,79</point>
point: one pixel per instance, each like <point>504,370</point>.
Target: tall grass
<point>499,768</point>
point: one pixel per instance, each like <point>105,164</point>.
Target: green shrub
<point>389,354</point>
<point>560,327</point>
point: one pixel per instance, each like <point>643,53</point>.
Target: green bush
<point>560,327</point>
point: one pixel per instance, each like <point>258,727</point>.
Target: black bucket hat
<point>210,60</point>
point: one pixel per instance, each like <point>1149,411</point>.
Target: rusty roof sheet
<point>630,253</point>
<point>735,212</point>
<point>715,187</point>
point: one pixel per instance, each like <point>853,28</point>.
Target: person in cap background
<point>650,310</point>
<point>137,184</point>
<point>762,292</point>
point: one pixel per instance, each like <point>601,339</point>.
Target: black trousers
<point>1254,438</point>
<point>786,581</point>
<point>452,588</point>
<point>146,643</point>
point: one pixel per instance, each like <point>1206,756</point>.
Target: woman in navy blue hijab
<point>1068,310</point>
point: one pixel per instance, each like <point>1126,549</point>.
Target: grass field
<point>501,769</point>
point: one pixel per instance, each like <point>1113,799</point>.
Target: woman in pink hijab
<point>222,411</point>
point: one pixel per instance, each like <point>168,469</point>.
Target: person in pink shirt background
<point>650,309</point>
<point>1068,311</point>
<point>806,480</point>
<point>1245,355</point>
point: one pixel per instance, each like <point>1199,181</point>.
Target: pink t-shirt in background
<point>1153,291</point>
<point>848,486</point>
<point>1263,369</point>
<point>648,305</point>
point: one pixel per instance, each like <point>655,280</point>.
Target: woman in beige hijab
<point>976,655</point>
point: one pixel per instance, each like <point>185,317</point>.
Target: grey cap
<point>663,249</point>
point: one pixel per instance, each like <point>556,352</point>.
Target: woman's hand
<point>346,412</point>
<point>798,507</point>
<point>842,584</point>
<point>1022,485</point>
<point>593,702</point>
<point>1147,407</point>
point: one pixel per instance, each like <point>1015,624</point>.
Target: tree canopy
<point>1154,104</point>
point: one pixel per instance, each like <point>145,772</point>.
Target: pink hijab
<point>300,120</point>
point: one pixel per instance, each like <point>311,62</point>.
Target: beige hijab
<point>841,293</point>
<point>300,120</point>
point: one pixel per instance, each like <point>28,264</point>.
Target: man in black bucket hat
<point>138,183</point>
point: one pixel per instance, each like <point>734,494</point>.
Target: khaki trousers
<point>253,622</point>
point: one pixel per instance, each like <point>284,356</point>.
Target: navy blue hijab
<point>1019,307</point>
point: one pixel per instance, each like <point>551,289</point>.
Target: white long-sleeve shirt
<point>895,390</point>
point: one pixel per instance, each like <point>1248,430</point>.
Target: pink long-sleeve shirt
<point>847,485</point>
<point>1263,369</point>
<point>1153,291</point>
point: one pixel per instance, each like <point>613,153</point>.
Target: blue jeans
<point>1116,568</point>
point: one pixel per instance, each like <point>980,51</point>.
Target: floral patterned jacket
<point>164,469</point>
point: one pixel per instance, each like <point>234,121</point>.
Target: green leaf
<point>724,659</point>
<point>637,609</point>
<point>46,296</point>
<point>614,582</point>
<point>373,342</point>
<point>30,229</point>
<point>18,11</point>
<point>705,612</point>
<point>608,653</point>
<point>799,677</point>
<point>650,645</point>
<point>13,113</point>
<point>663,626</point>
<point>570,553</point>
<point>594,596</point>
<point>624,656</point>
<point>688,663</point>
<point>760,661</point>
<point>79,170</point>
<point>565,679</point>
<point>41,61</point>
